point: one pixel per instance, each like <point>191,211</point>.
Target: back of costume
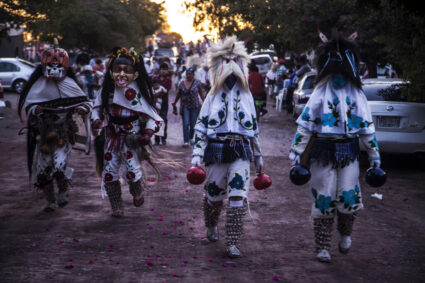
<point>338,118</point>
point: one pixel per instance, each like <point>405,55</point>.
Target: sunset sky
<point>180,20</point>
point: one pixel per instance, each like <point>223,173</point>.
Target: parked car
<point>14,73</point>
<point>400,125</point>
<point>263,62</point>
<point>2,103</point>
<point>302,93</point>
<point>165,52</point>
<point>270,52</point>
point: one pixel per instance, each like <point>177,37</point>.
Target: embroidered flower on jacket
<point>355,122</point>
<point>130,94</point>
<point>305,116</point>
<point>374,144</point>
<point>329,120</point>
<point>128,154</point>
<point>297,139</point>
<point>237,182</point>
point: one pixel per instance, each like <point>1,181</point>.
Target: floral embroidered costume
<point>126,106</point>
<point>226,139</point>
<point>53,100</point>
<point>338,116</point>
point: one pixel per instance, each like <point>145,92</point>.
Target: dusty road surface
<point>164,240</point>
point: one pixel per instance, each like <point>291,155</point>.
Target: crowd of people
<point>221,101</point>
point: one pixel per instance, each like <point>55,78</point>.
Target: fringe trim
<point>217,153</point>
<point>338,152</point>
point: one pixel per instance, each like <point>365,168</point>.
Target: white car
<point>302,93</point>
<point>2,103</point>
<point>15,72</point>
<point>263,62</point>
<point>400,126</point>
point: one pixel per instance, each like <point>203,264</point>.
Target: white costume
<point>226,138</point>
<point>337,117</point>
<point>55,130</point>
<point>129,113</point>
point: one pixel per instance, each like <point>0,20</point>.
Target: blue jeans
<point>189,119</point>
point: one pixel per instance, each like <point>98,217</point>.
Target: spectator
<point>256,85</point>
<point>159,93</point>
<point>165,81</point>
<point>98,66</point>
<point>189,90</point>
<point>301,68</point>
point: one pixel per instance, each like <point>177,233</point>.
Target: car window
<point>27,63</point>
<point>261,60</point>
<point>309,82</point>
<point>386,92</point>
<point>8,67</point>
<point>164,52</point>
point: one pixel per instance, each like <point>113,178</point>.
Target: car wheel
<point>19,85</point>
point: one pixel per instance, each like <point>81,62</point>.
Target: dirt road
<point>164,240</point>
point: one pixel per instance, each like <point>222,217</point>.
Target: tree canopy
<point>96,25</point>
<point>389,30</point>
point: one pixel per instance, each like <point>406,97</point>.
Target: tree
<point>389,30</point>
<point>96,25</point>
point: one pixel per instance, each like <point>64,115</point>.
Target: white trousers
<point>335,189</point>
<point>125,158</point>
<point>49,164</point>
<point>227,180</point>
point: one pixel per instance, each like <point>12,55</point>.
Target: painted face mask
<point>55,62</point>
<point>123,74</point>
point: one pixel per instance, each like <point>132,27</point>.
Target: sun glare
<point>180,20</point>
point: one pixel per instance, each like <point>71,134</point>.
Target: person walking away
<point>337,117</point>
<point>256,85</point>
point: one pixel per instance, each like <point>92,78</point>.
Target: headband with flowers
<point>130,53</point>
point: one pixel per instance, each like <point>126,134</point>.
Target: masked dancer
<point>124,110</point>
<point>337,117</point>
<point>52,99</point>
<point>226,140</point>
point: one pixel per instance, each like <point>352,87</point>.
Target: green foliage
<point>95,25</point>
<point>389,30</point>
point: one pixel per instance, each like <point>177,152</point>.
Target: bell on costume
<point>375,177</point>
<point>299,175</point>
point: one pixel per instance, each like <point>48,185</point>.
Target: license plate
<point>388,122</point>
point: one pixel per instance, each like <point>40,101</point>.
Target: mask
<point>55,62</point>
<point>123,74</point>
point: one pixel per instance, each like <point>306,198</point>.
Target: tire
<point>19,86</point>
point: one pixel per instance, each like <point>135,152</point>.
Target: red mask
<point>55,62</point>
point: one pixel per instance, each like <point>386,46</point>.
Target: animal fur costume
<point>50,99</point>
<point>336,117</point>
<point>126,107</point>
<point>226,139</point>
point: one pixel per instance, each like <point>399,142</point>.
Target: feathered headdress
<point>228,56</point>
